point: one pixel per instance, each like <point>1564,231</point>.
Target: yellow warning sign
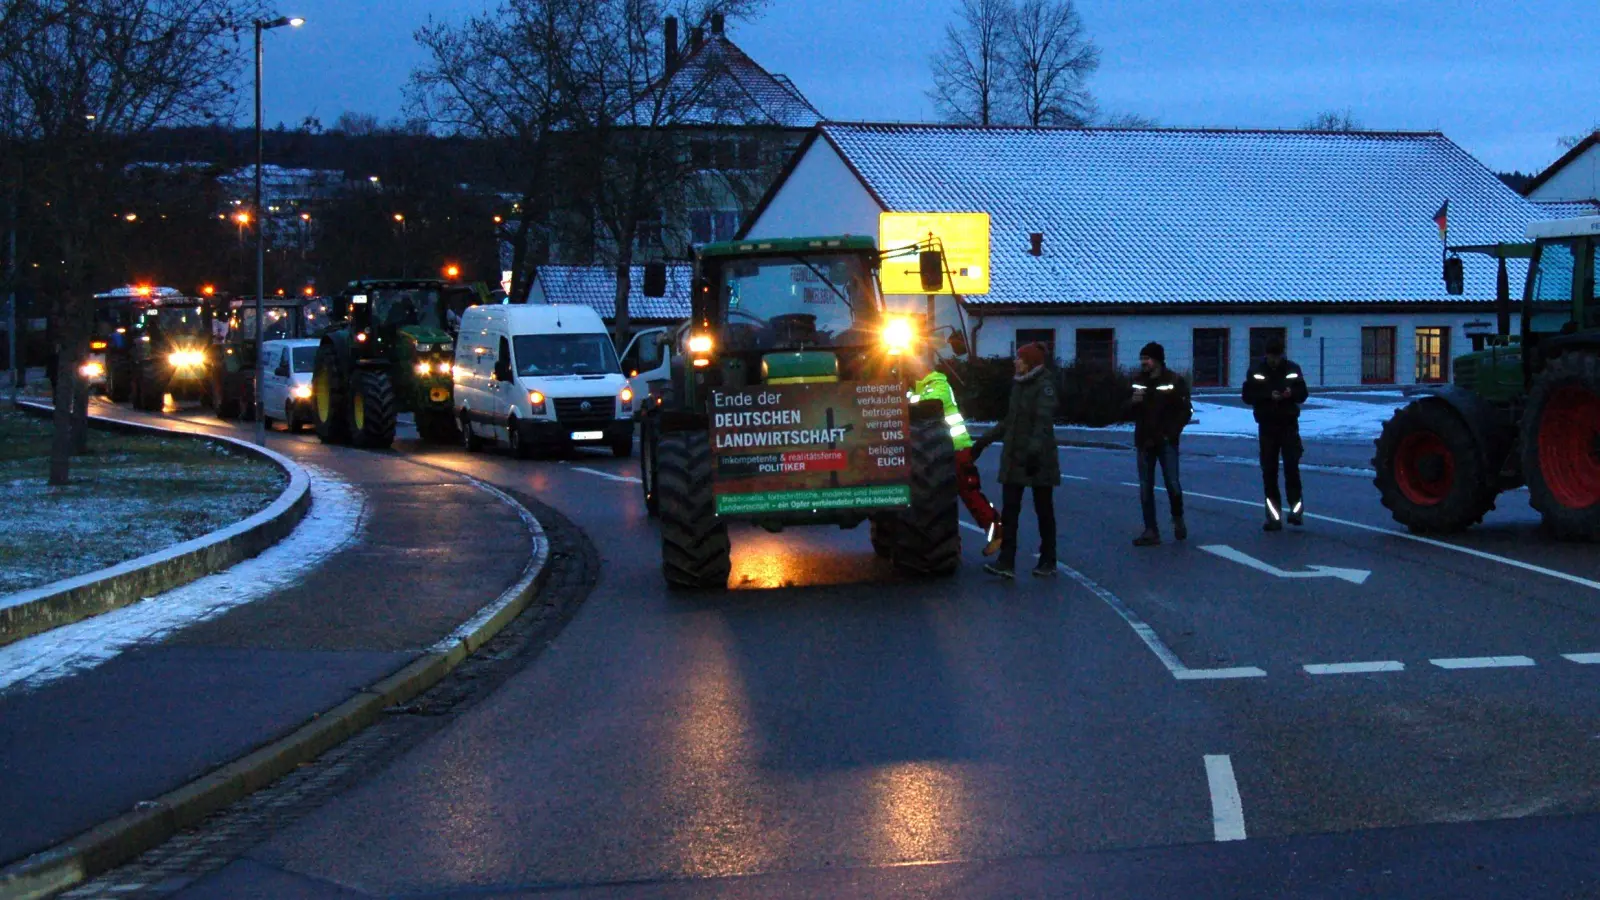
<point>964,238</point>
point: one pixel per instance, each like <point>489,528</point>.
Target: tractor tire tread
<point>695,551</point>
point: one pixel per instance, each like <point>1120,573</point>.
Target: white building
<point>596,288</point>
<point>1207,241</point>
<point>1570,186</point>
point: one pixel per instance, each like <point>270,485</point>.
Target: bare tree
<point>1572,140</point>
<point>1127,120</point>
<point>89,76</point>
<point>969,70</point>
<point>1333,120</point>
<point>1049,61</point>
<point>356,124</point>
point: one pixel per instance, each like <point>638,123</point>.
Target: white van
<point>286,382</point>
<point>534,376</point>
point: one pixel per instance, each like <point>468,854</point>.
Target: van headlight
<point>536,403</point>
<point>627,399</point>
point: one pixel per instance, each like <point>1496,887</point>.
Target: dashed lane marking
<point>1583,659</point>
<point>1354,668</point>
<point>1227,807</point>
<point>1147,634</point>
<point>1484,662</point>
<point>606,475</point>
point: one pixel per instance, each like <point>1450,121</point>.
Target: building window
<point>1096,347</point>
<point>1377,355</point>
<point>1259,338</point>
<point>1591,303</point>
<point>1045,336</point>
<point>1433,355</point>
<point>1210,357</point>
<point>700,153</point>
<point>707,225</point>
<point>750,154</point>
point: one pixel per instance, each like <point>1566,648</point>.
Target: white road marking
<point>1354,668</point>
<point>1483,662</point>
<point>1583,659</point>
<point>1514,563</point>
<point>1354,576</point>
<point>1227,808</point>
<point>606,475</point>
<point>1147,634</point>
<point>1074,477</point>
<point>336,519</point>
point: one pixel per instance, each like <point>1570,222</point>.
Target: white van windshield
<point>564,354</point>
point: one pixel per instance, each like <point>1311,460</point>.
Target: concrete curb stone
<point>69,600</point>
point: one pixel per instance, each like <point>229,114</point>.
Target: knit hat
<point>1032,354</point>
<point>1274,346</point>
<point>1155,351</point>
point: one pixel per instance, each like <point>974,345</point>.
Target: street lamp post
<point>261,245</point>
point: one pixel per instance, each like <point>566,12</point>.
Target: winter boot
<point>1150,538</point>
<point>1296,515</point>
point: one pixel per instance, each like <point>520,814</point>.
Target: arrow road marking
<point>1354,576</point>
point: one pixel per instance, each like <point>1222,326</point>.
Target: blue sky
<point>1504,80</point>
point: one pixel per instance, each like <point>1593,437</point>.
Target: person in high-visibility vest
<point>933,385</point>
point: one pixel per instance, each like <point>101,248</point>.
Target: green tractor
<point>1524,408</point>
<point>156,342</point>
<point>233,379</point>
<point>391,349</point>
<point>788,404</point>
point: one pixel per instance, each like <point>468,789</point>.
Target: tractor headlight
<point>186,359</point>
<point>627,399</point>
<point>91,369</point>
<point>899,336</point>
<point>700,344</point>
<point>301,392</point>
<point>424,368</point>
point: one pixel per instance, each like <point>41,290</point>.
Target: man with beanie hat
<point>1275,388</point>
<point>1160,409</point>
<point>1030,460</point>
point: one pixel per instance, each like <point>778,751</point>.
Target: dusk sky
<point>1503,80</point>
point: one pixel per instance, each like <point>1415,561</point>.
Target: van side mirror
<point>1455,278</point>
<point>931,266</point>
<point>655,279</point>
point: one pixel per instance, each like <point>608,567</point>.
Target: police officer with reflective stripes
<point>1275,387</point>
<point>933,385</point>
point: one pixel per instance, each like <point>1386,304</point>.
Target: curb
<point>152,822</point>
<point>30,612</point>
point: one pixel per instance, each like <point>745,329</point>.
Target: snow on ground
<point>1320,419</point>
<point>336,520</point>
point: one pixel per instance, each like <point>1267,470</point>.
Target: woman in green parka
<point>1029,460</point>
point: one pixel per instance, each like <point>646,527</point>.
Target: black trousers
<point>1281,441</point>
<point>1044,509</point>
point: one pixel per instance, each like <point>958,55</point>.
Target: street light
<point>261,249</point>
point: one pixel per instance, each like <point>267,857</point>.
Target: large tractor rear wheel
<point>372,410</point>
<point>224,406</point>
<point>1561,446</point>
<point>437,427</point>
<point>329,397</point>
<point>928,536</point>
<point>882,530</point>
<point>1431,473</point>
<point>695,552</point>
<point>149,394</point>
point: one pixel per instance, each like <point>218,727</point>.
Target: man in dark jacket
<point>1160,409</point>
<point>1030,460</point>
<point>1275,388</point>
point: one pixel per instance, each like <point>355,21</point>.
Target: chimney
<point>672,44</point>
<point>1036,243</point>
<point>697,36</point>
<point>717,22</point>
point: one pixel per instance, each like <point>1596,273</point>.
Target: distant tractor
<point>233,379</point>
<point>390,350</point>
<point>1524,408</point>
<point>788,404</point>
<point>155,342</point>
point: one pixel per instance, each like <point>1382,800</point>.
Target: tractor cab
<point>155,341</point>
<point>233,383</point>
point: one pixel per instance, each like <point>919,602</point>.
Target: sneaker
<point>1150,538</point>
<point>1180,530</point>
<point>1002,571</point>
<point>1044,571</point>
<point>1272,525</point>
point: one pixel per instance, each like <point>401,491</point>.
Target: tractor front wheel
<point>927,539</point>
<point>1561,446</point>
<point>437,427</point>
<point>1431,473</point>
<point>329,397</point>
<point>372,410</point>
<point>695,553</point>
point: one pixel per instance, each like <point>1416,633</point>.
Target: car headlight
<point>301,392</point>
<point>898,336</point>
<point>186,359</point>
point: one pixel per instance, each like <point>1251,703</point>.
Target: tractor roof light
<point>899,336</point>
<point>700,343</point>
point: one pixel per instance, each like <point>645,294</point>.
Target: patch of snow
<point>336,520</point>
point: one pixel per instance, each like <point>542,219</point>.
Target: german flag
<point>1442,219</point>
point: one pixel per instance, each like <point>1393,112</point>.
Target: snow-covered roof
<point>719,84</point>
<point>130,292</point>
<point>1567,209</point>
<point>596,288</point>
<point>1136,216</point>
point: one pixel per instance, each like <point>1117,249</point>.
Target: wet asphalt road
<point>828,728</point>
